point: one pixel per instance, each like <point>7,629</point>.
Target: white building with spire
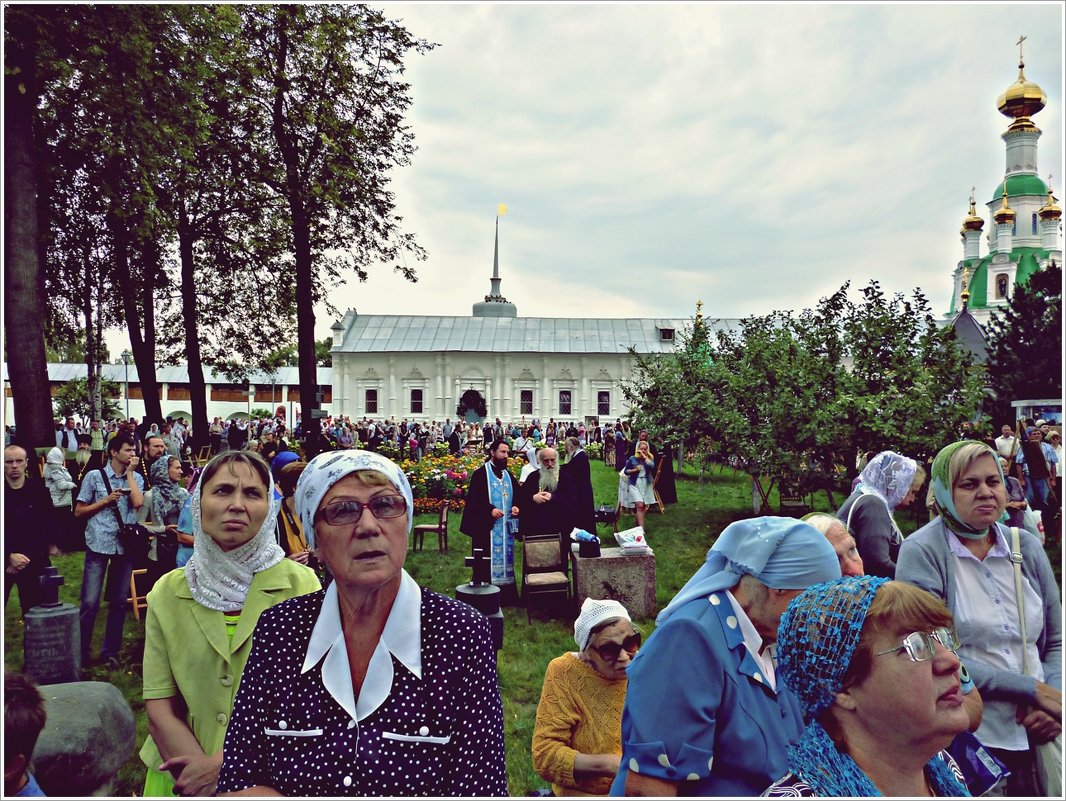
<point>492,363</point>
<point>1024,233</point>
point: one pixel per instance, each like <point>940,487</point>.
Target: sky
<point>752,156</point>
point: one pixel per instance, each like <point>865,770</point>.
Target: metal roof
<point>379,333</point>
<point>178,374</point>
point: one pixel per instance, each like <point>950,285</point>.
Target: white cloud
<point>753,156</point>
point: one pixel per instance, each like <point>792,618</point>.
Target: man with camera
<point>109,499</point>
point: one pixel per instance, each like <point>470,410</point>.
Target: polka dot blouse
<point>441,735</point>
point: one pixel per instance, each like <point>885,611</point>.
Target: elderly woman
<point>200,620</point>
<point>577,741</point>
<point>374,686</point>
<point>704,713</point>
<point>845,648</point>
<point>964,557</point>
<point>888,482</point>
<point>636,491</point>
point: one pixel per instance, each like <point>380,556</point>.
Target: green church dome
<point>1021,185</point>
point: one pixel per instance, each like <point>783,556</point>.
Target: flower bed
<point>444,478</point>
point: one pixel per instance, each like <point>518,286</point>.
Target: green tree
<point>909,386</point>
<point>1025,345</point>
<point>73,400</point>
<point>330,78</point>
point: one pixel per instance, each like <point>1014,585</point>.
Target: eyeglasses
<point>382,507</point>
<point>920,645</point>
<point>611,651</point>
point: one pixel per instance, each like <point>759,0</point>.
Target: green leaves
<point>795,397</point>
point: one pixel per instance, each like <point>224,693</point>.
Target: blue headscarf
<point>328,468</point>
<point>781,552</point>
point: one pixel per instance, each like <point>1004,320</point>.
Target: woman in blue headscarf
<point>373,686</point>
<point>704,714</point>
<point>847,648</point>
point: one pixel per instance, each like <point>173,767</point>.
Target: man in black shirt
<point>27,545</point>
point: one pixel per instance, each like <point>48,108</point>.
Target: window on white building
<point>416,401</point>
<point>371,401</point>
<point>603,403</point>
<point>526,401</point>
<point>1034,225</point>
<point>564,401</point>
<point>666,335</point>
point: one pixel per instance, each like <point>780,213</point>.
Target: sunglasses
<point>382,507</point>
<point>921,645</point>
<point>611,651</point>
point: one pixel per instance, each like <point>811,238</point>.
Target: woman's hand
<point>194,774</point>
<point>589,766</point>
<point>301,557</point>
<point>1041,726</point>
<point>1049,700</point>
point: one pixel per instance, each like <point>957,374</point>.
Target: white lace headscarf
<point>220,579</point>
<point>889,476</point>
<point>328,468</point>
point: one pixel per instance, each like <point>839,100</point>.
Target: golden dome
<point>1004,214</point>
<point>972,222</point>
<point>1050,210</point>
<point>1022,100</point>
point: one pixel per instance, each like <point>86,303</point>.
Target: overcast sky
<point>752,156</point>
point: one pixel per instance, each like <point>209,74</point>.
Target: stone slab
<point>628,579</point>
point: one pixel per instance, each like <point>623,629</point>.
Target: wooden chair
<point>139,601</point>
<point>545,568</point>
<point>203,456</point>
<point>440,528</point>
<point>792,504</point>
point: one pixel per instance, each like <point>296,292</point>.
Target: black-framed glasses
<point>611,651</point>
<point>921,645</point>
<point>383,507</point>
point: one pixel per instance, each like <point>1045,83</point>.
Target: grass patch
<point>680,538</point>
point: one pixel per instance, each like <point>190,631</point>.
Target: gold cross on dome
<point>1021,39</point>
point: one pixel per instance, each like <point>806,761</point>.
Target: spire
<point>1022,99</point>
<point>1004,214</point>
<point>965,295</point>
<point>1050,210</point>
<point>972,222</point>
<point>495,304</point>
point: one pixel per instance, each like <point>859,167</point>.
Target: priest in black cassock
<point>547,498</point>
<point>490,517</point>
<point>580,471</point>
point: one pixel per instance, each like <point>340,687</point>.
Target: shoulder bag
<point>133,537</point>
<point>1047,757</point>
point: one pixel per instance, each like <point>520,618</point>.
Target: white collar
<point>753,642</point>
<point>402,637</point>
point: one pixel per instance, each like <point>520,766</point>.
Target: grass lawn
<point>680,539</point>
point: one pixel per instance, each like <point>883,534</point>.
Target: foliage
<point>594,450</point>
<point>1025,345</point>
<point>72,400</point>
<point>261,414</point>
<point>785,397</point>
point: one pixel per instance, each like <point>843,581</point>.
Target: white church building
<point>490,364</point>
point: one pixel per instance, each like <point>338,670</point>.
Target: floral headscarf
<point>167,496</point>
<point>944,484</point>
<point>327,469</point>
<point>889,476</point>
<point>220,579</point>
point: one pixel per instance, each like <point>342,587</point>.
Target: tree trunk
<point>143,347</point>
<point>92,363</point>
<point>197,386</point>
<point>24,308</point>
<point>301,240</point>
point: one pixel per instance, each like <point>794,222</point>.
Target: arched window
<point>1001,286</point>
<point>1034,224</point>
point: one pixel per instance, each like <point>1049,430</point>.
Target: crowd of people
<point>828,656</point>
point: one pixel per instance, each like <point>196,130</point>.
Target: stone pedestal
<point>89,735</point>
<point>52,644</point>
<point>628,579</point>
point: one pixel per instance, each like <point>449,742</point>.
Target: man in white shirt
<point>1007,445</point>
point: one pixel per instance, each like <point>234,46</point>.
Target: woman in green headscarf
<point>963,557</point>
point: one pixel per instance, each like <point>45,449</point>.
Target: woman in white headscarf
<point>888,482</point>
<point>374,686</point>
<point>200,620</point>
<point>60,484</point>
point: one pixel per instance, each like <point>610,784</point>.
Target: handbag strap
<point>1016,559</point>
<point>114,506</point>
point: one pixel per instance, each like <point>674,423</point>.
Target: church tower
<point>495,304</point>
<point>1024,235</point>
